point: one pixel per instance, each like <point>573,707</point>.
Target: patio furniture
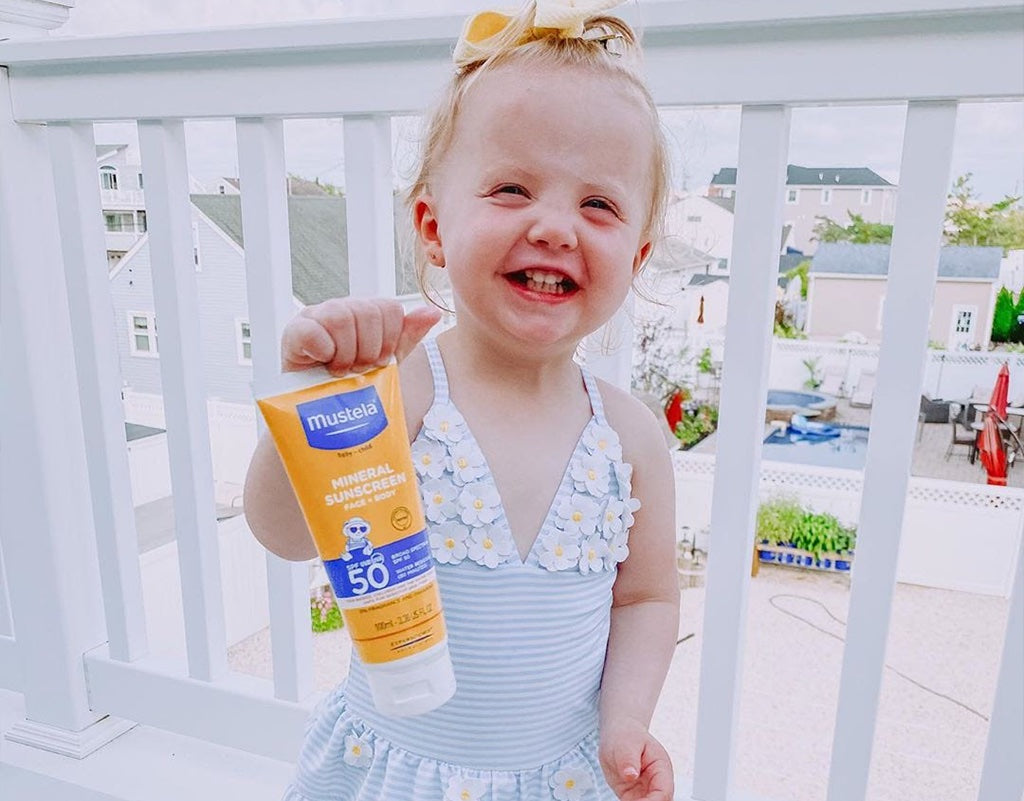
<point>832,383</point>
<point>962,433</point>
<point>934,410</point>
<point>864,391</point>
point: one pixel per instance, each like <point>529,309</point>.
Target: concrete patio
<point>933,712</point>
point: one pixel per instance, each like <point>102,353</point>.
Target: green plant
<point>658,359</point>
<point>1003,318</point>
<point>704,363</point>
<point>800,271</point>
<point>778,519</point>
<point>697,422</point>
<point>814,378</point>
<point>785,521</point>
<point>324,612</point>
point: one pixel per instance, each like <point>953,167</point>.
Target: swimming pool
<point>781,404</point>
<point>848,450</point>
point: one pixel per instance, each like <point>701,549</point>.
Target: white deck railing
<point>72,634</point>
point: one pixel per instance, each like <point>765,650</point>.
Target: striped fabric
<point>528,647</point>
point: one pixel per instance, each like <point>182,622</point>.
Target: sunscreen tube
<point>345,447</point>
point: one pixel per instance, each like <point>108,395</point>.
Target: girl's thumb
<point>417,323</point>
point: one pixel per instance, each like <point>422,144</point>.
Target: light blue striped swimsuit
<point>527,638</point>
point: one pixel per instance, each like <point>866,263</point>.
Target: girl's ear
<point>641,256</point>
<point>424,220</point>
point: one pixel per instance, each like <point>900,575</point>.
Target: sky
<point>988,137</point>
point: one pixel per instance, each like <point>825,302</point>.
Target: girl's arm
<point>343,335</point>
<point>645,614</point>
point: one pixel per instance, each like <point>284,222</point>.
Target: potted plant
<point>793,535</point>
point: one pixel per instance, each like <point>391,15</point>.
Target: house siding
<point>222,300</point>
<point>803,214</point>
<point>840,305</point>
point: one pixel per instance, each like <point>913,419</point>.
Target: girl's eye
<point>511,189</point>
<point>599,203</point>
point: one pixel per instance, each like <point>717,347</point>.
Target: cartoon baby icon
<point>355,530</point>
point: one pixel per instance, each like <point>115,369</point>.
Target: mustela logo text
<point>343,420</point>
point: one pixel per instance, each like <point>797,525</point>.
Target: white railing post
<point>73,153</point>
<point>913,268</point>
<point>761,178</point>
<point>46,525</point>
<point>1002,775</point>
<point>176,298</point>
<point>369,207</point>
<point>268,271</point>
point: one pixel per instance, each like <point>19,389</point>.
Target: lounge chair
<point>832,383</point>
<point>864,391</point>
<point>963,434</point>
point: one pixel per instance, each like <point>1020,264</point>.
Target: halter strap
<point>437,370</point>
<point>596,404</point>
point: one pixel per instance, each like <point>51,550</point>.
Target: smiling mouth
<point>544,282</point>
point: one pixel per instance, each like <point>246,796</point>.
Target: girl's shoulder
<point>417,388</point>
<point>641,433</point>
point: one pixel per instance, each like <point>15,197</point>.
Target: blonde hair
<point>608,45</point>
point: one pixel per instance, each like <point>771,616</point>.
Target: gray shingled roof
<point>727,203</point>
<point>955,261</point>
<point>815,176</point>
<point>318,239</point>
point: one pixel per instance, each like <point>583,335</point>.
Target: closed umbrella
<point>997,403</point>
<point>990,446</point>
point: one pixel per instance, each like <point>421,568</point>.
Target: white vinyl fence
<point>79,639</point>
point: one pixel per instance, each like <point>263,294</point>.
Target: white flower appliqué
<point>467,462</point>
<point>559,550</point>
<point>479,503</point>
<point>461,788</point>
<point>590,474</point>
<point>358,751</point>
<point>602,439</point>
<point>570,784</point>
<point>448,542</point>
<point>578,515</point>
<point>439,500</point>
<point>430,458</point>
<point>443,423</point>
<point>593,553</point>
<point>490,545</point>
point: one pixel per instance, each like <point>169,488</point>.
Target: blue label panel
<point>371,569</point>
<point>343,420</point>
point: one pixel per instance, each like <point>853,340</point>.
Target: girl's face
<point>539,204</point>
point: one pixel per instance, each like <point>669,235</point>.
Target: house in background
<point>813,192</point>
<point>122,199</point>
<point>848,287</point>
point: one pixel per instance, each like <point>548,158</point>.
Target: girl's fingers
<point>305,343</point>
<point>416,325</point>
<point>369,322</point>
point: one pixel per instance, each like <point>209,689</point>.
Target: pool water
<point>848,450</point>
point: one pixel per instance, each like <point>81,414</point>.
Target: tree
<point>970,222</point>
<point>800,271</point>
<point>1017,332</point>
<point>1004,316</point>
<point>859,231</point>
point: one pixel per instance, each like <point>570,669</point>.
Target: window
<point>108,178</point>
<point>865,197</point>
<point>221,189</point>
<point>826,197</point>
<point>792,196</point>
<point>243,341</point>
<point>961,334</point>
<point>140,181</point>
<point>964,322</point>
<point>140,222</point>
<point>693,218</point>
<point>195,246</point>
<point>119,222</point>
<point>730,193</point>
<point>142,340</point>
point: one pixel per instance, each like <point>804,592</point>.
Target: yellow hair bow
<point>565,16</point>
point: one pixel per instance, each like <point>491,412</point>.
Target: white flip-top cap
<point>414,685</point>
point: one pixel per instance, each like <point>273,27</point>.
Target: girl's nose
<point>554,229</point>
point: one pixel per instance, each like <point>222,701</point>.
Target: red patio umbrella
<point>997,403</point>
<point>990,446</point>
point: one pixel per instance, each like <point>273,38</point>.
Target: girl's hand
<point>350,334</point>
<point>636,766</point>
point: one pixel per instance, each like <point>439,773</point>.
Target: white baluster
<point>1002,775</point>
<point>761,177</point>
<point>913,267</point>
<point>268,273</point>
<point>73,152</point>
<point>46,524</point>
<point>369,207</point>
<point>168,211</point>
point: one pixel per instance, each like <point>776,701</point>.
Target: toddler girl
<point>549,495</point>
